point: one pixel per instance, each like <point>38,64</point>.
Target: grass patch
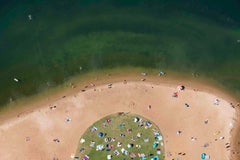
<point>121,128</point>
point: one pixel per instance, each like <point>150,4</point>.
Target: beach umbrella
<point>203,155</point>
<point>158,138</point>
<point>143,158</point>
<point>136,119</point>
<point>146,139</point>
<point>99,147</point>
<point>207,157</point>
<point>181,88</point>
<point>116,152</point>
<point>155,158</point>
<point>130,145</point>
<point>121,125</point>
<point>94,128</point>
<point>100,134</point>
<point>148,123</point>
<point>155,145</point>
<point>82,140</point>
<point>85,157</point>
<point>109,157</point>
<point>158,151</point>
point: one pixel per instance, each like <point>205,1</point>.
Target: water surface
<point>64,36</point>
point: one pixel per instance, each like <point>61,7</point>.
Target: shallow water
<point>61,37</point>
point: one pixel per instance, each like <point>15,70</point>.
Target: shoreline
<point>118,77</point>
<point>100,77</point>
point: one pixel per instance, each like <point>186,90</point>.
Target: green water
<point>187,36</point>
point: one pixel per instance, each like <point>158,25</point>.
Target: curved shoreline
<point>112,79</point>
<point>100,77</point>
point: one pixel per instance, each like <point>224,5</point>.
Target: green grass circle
<point>133,134</point>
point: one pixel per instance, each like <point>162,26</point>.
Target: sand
<point>30,134</point>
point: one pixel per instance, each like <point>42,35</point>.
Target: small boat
<point>30,17</point>
<point>16,80</point>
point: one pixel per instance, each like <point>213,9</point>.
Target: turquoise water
<point>197,36</point>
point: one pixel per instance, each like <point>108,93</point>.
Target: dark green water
<point>187,36</point>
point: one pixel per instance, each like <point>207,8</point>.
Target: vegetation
<point>113,126</point>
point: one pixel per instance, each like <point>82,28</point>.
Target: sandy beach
<point>205,125</point>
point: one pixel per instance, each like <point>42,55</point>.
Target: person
<point>216,102</point>
<point>149,106</point>
<point>206,121</point>
<point>56,140</point>
<point>27,139</point>
<point>193,138</point>
<point>179,132</point>
<point>30,17</point>
<point>175,94</point>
